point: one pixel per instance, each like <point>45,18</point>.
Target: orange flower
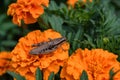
<point>72,2</point>
<point>27,10</point>
<point>86,1</point>
<point>117,76</point>
<point>26,63</point>
<point>96,62</point>
<point>4,62</point>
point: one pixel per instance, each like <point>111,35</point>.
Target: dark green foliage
<point>51,77</point>
<point>15,75</point>
<point>57,75</point>
<point>6,77</point>
<point>38,74</point>
<point>84,75</point>
<point>111,74</point>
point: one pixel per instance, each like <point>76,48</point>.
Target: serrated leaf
<point>69,36</point>
<point>45,18</point>
<point>76,37</point>
<point>38,74</point>
<point>53,5</point>
<point>90,40</point>
<point>56,23</point>
<point>62,5</point>
<point>51,77</point>
<point>84,75</point>
<point>15,75</point>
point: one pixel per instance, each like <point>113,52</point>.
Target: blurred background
<point>9,33</point>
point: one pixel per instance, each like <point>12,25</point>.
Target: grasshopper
<point>47,47</point>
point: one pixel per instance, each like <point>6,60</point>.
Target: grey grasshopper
<point>47,47</point>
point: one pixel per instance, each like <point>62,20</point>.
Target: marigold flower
<point>73,2</point>
<point>86,1</point>
<point>96,62</point>
<point>27,10</point>
<point>5,62</point>
<point>26,63</point>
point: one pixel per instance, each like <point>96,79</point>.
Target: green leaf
<point>15,75</point>
<point>53,5</point>
<point>51,77</point>
<point>90,40</point>
<point>69,36</point>
<point>84,76</point>
<point>56,23</point>
<point>38,74</point>
<point>77,36</point>
<point>111,73</point>
<point>62,5</point>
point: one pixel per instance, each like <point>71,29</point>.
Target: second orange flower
<point>96,62</point>
<point>27,10</point>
